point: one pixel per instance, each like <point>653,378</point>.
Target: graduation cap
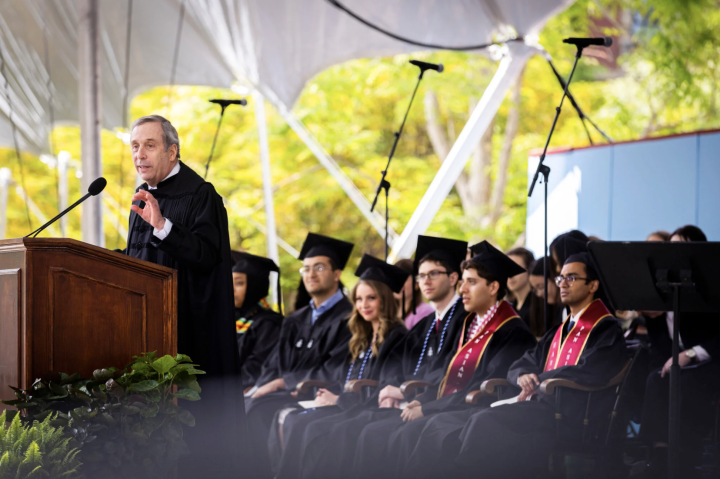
<point>258,270</point>
<point>495,261</point>
<point>568,244</point>
<point>450,250</point>
<point>319,245</point>
<point>375,269</point>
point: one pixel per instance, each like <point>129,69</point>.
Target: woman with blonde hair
<point>376,331</point>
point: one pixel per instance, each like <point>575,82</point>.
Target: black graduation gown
<point>198,247</point>
<point>523,312</point>
<point>507,344</point>
<point>341,433</point>
<point>287,463</point>
<point>257,342</point>
<point>303,351</point>
<point>497,437</point>
<point>699,384</point>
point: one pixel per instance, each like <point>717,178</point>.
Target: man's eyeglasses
<point>433,275</point>
<point>318,268</point>
<point>569,279</point>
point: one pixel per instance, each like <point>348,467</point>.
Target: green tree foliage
<point>35,450</point>
<point>665,82</point>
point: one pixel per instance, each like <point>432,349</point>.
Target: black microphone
<point>586,42</point>
<point>427,66</point>
<point>94,189</point>
<point>224,103</point>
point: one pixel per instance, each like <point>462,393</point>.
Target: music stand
<point>662,276</point>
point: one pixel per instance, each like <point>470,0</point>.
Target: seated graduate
<point>555,306</point>
<point>519,290</point>
<point>308,342</point>
<point>493,338</point>
<point>700,387</point>
<point>376,332</point>
<point>423,355</point>
<point>257,325</point>
<point>515,440</point>
<point>411,307</point>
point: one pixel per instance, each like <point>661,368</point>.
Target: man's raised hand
<point>151,213</point>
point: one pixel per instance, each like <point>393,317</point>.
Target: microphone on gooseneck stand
<point>94,189</point>
<point>427,66</point>
<point>586,42</point>
<point>223,104</point>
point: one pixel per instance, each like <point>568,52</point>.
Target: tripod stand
<point>544,170</point>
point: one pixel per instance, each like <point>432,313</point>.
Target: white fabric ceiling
<point>275,45</point>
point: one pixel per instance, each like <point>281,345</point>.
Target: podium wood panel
<point>70,307</point>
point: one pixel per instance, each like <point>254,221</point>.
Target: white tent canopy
<point>273,46</point>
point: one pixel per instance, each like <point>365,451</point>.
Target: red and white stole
<point>466,360</point>
<point>567,353</point>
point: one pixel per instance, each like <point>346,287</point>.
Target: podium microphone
<point>94,189</point>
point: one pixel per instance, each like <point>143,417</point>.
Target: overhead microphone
<point>427,66</point>
<point>586,42</point>
<point>94,189</point>
<point>224,103</point>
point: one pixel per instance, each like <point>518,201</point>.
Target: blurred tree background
<point>661,77</point>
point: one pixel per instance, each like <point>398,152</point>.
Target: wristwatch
<point>690,353</point>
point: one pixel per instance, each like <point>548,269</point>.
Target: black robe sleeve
<point>257,343</point>
<point>507,344</point>
<point>603,357</point>
<point>198,245</point>
<point>326,364</point>
<point>386,363</point>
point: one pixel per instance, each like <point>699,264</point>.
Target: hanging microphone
<point>427,66</point>
<point>94,189</point>
<point>224,103</point>
<point>586,42</point>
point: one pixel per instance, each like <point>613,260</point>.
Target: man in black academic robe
<point>492,327</point>
<point>515,440</point>
<point>312,343</point>
<point>178,220</point>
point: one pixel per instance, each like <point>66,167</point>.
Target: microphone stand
<point>39,230</point>
<point>384,184</point>
<point>217,131</point>
<point>544,170</point>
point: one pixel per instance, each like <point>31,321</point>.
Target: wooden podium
<point>69,307</point>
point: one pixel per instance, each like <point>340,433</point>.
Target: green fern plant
<point>35,450</point>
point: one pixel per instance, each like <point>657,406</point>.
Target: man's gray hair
<point>170,134</point>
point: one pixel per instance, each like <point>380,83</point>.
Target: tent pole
<point>352,191</point>
<point>62,162</point>
<point>486,109</point>
<point>271,236</point>
<point>5,181</point>
<point>88,35</point>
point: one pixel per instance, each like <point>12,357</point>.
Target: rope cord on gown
<point>14,130</point>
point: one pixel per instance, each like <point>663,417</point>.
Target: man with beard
<point>515,440</point>
<point>311,339</point>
